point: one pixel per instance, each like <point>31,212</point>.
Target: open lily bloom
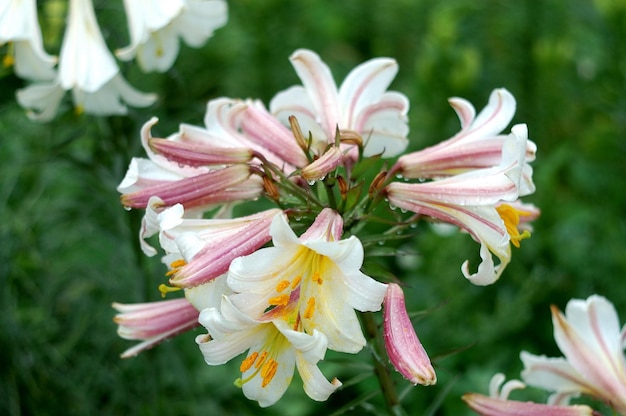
<point>470,201</point>
<point>19,24</point>
<point>589,336</point>
<point>274,349</point>
<point>362,104</point>
<point>87,69</point>
<point>155,27</point>
<point>311,282</point>
<point>498,404</point>
<point>478,145</point>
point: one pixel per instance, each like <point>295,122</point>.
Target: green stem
<point>381,370</point>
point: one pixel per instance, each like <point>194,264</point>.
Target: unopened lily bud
<point>297,133</point>
<point>377,183</point>
<point>270,188</point>
<point>343,186</point>
<point>404,349</point>
<point>351,137</point>
<point>323,165</point>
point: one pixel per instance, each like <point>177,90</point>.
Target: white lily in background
<point>590,338</point>
<point>474,202</point>
<point>498,403</point>
<point>19,25</point>
<point>87,69</point>
<point>274,349</point>
<point>362,104</point>
<point>155,27</point>
<point>311,282</point>
<point>154,322</point>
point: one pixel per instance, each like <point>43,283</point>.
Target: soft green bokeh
<point>68,249</point>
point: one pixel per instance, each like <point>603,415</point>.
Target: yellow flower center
<point>510,216</point>
<point>264,362</point>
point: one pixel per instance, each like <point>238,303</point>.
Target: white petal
<point>41,100</point>
<point>320,86</point>
<point>316,386</point>
<point>364,86</point>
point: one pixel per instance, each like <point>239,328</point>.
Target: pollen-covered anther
<point>268,371</point>
<point>317,278</point>
<point>296,282</point>
<point>246,364</point>
<point>175,266</point>
<point>310,308</point>
<point>511,218</point>
<point>282,285</point>
<point>280,300</point>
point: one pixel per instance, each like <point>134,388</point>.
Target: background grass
<point>68,249</point>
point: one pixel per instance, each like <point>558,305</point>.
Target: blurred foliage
<point>67,248</point>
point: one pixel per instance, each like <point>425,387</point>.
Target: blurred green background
<point>68,249</point>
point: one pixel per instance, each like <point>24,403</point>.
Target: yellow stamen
<point>296,282</point>
<point>310,308</point>
<point>165,289</point>
<point>317,277</point>
<point>282,285</point>
<point>261,359</point>
<point>176,265</point>
<point>510,216</point>
<point>247,363</point>
<point>268,371</point>
<point>281,300</point>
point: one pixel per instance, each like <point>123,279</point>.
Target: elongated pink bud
<point>322,166</point>
<point>404,349</point>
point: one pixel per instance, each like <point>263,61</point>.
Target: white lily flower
<point>362,104</point>
<point>311,282</point>
<point>155,27</point>
<point>19,24</point>
<point>274,348</point>
<point>590,338</point>
<point>476,202</point>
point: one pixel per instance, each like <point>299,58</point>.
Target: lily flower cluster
<point>85,65</point>
<point>594,365</point>
<point>264,217</point>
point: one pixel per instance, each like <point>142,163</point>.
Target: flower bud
<point>403,347</point>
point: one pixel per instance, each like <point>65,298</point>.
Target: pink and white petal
<point>489,406</point>
<point>383,125</point>
<point>364,86</point>
<point>464,110</point>
<point>320,86</point>
<point>492,119</point>
<point>590,339</point>
<point>553,374</point>
<point>487,272</point>
<point>328,227</point>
